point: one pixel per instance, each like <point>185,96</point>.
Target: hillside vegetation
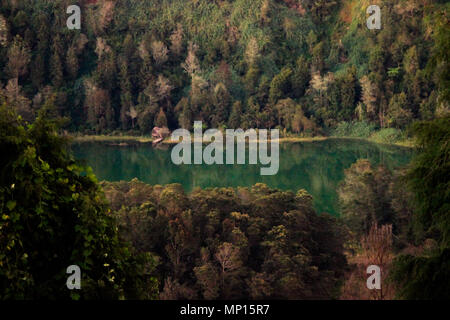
<point>305,66</point>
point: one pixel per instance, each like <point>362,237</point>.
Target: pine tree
<point>176,39</point>
<point>56,66</point>
<point>280,85</point>
<point>234,122</point>
<point>222,101</point>
<point>72,62</point>
<point>300,77</point>
<point>18,58</point>
<point>185,119</point>
<point>161,120</point>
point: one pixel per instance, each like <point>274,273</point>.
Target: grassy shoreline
<point>294,139</point>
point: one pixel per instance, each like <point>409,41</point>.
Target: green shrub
<point>353,129</point>
<point>388,135</point>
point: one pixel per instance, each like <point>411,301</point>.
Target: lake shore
<point>293,139</point>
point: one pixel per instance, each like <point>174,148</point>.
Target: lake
<point>315,166</point>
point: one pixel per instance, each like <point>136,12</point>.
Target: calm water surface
<point>315,166</point>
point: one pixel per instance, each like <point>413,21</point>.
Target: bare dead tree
<point>377,245</point>
<point>228,257</point>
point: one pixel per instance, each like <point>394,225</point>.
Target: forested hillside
<point>307,66</point>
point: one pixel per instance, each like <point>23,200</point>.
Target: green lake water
<point>315,166</point>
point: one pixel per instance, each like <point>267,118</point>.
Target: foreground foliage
<point>426,276</point>
<point>413,205</point>
<point>53,215</point>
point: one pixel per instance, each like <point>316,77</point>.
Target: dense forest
<point>307,67</point>
<point>256,243</point>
